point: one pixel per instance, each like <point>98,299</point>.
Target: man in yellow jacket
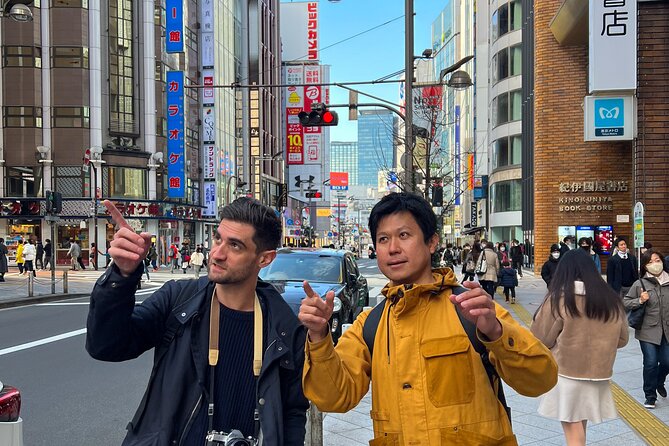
<point>429,385</point>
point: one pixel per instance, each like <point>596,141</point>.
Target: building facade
<point>377,133</point>
<point>344,158</point>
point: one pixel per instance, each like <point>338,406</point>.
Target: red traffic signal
<point>314,194</point>
<point>318,118</point>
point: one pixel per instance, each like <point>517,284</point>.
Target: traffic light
<point>318,118</point>
<point>54,202</point>
<point>314,194</point>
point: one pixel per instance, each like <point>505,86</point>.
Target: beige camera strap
<point>214,326</point>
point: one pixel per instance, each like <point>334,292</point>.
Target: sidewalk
<point>355,427</point>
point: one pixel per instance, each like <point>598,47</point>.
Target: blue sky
<point>372,55</point>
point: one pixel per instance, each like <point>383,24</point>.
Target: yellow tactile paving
<point>645,423</point>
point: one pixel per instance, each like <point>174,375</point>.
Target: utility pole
<point>408,95</point>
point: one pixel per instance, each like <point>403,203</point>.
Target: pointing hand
<point>315,313</point>
<point>128,249</point>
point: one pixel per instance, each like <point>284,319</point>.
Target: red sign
<point>294,140</point>
<point>312,30</point>
<point>338,178</point>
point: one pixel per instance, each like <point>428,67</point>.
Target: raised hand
<point>315,313</point>
<point>128,249</point>
<point>478,307</point>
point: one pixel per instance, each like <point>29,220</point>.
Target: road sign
<point>638,225</point>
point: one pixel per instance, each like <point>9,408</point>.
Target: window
<point>71,117</point>
<point>69,4</point>
<point>69,57</point>
<point>503,19</point>
<point>506,107</point>
<point>124,182</point>
<point>506,152</point>
<point>516,60</point>
<point>516,15</point>
<point>22,117</point>
<point>22,56</point>
<point>21,182</point>
<point>161,127</point>
<point>121,69</point>
<point>507,62</point>
<point>505,196</point>
<point>494,34</point>
<point>502,64</point>
<point>70,181</point>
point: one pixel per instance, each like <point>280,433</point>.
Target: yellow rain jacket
<point>429,386</point>
<point>19,254</point>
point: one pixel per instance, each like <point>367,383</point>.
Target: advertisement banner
<point>174,26</point>
<point>209,171</point>
<point>207,16</point>
<point>175,130</point>
<point>294,143</point>
<point>209,125</point>
<point>613,45</point>
<point>299,31</point>
<point>338,179</point>
<point>312,148</point>
<point>470,171</point>
<point>456,155</point>
<point>208,81</point>
<point>312,93</point>
<point>209,199</point>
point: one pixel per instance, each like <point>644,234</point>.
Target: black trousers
<point>509,288</point>
<point>518,266</point>
<point>489,287</point>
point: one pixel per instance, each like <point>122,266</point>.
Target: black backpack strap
<point>490,370</point>
<point>371,324</point>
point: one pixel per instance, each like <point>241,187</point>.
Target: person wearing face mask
<point>567,244</point>
<point>586,244</point>
<point>652,336</point>
<point>621,271</point>
<point>549,267</point>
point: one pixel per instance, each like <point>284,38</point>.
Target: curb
<point>24,301</point>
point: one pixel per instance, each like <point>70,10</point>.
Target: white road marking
<point>39,342</point>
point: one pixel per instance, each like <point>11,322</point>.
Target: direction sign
<point>638,225</point>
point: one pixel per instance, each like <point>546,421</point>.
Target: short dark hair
<point>586,240</point>
<point>505,263</point>
<point>621,239</point>
<point>267,225</point>
<point>416,205</point>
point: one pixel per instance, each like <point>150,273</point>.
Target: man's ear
<point>266,258</point>
<point>433,243</point>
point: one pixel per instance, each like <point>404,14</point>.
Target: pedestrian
<point>48,262</point>
<point>197,259</point>
<point>4,267</point>
<point>429,385</point>
<point>567,244</point>
<point>29,254</point>
<point>19,256</point>
<point>152,255</point>
<point>487,268</point>
<point>549,267</point>
<point>621,271</point>
<point>516,253</point>
<point>502,253</point>
<point>39,262</point>
<point>185,257</point>
<point>579,303</point>
<point>470,261</point>
<point>94,256</point>
<point>173,258</point>
<point>508,278</point>
<point>107,255</point>
<point>447,257</point>
<point>74,253</point>
<point>586,244</point>
<point>652,291</point>
<point>146,263</point>
<point>250,367</point>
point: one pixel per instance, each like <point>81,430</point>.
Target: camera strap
<point>214,328</point>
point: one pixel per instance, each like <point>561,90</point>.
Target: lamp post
<point>46,161</point>
<point>16,11</point>
<point>238,183</point>
<point>96,162</point>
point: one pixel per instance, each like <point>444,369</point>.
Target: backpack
<point>482,266</point>
<point>372,324</point>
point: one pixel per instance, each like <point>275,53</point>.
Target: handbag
<point>635,317</point>
<point>482,266</point>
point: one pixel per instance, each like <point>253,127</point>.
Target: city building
<point>377,133</point>
<point>344,158</point>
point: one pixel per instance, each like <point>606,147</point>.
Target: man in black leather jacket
<point>176,321</point>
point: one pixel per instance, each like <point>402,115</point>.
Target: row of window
<point>63,117</point>
<point>509,17</point>
<point>31,56</point>
<point>506,107</point>
<point>507,151</point>
<point>506,63</point>
<point>506,196</point>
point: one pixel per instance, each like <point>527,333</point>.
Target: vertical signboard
<point>456,153</point>
<point>312,30</point>
<point>176,174</point>
<point>471,167</point>
<point>613,45</point>
<point>209,171</point>
<point>639,235</point>
<point>294,105</point>
<point>209,199</point>
<point>174,26</point>
<point>299,31</point>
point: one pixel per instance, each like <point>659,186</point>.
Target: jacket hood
<point>406,296</point>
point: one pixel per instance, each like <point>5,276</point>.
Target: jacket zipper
<point>388,327</point>
<point>190,419</point>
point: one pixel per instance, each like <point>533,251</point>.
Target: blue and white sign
<point>338,187</point>
<point>176,174</point>
<point>610,118</point>
<point>209,199</point>
<point>456,176</point>
<point>174,26</point>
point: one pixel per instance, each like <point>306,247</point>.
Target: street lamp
<point>239,183</point>
<point>17,11</point>
<point>96,162</point>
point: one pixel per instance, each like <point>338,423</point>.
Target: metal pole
<point>53,258</point>
<point>95,215</point>
<point>314,426</point>
<point>65,287</point>
<point>30,284</point>
<point>341,234</point>
<point>408,95</point>
<point>309,227</point>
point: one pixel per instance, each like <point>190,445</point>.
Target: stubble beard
<point>228,277</point>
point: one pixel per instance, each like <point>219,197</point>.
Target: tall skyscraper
<point>377,131</point>
<point>344,158</point>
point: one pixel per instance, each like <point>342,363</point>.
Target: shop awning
<point>467,231</point>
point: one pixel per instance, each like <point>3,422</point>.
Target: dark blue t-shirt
<point>235,385</point>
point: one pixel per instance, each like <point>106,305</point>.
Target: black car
<point>325,269</point>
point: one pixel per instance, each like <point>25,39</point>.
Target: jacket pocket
<point>386,440</point>
<point>449,370</point>
<point>461,437</point>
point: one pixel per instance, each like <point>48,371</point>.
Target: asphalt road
<point>69,398</point>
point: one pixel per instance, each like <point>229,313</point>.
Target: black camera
<point>233,438</point>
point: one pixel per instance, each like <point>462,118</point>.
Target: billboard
<point>339,180</point>
<point>456,155</point>
<point>175,130</point>
<point>299,31</point>
<point>174,26</point>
